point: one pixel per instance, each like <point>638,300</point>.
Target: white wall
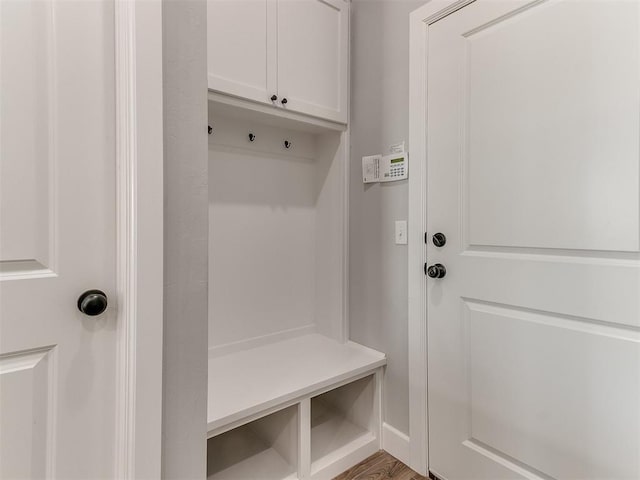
<point>185,239</point>
<point>379,118</point>
<point>276,230</point>
<point>262,247</point>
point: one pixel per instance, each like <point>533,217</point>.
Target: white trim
<point>125,232</point>
<point>139,188</point>
<point>269,113</point>
<point>346,166</point>
<point>304,438</point>
<point>345,457</point>
<point>346,239</point>
<point>396,443</point>
<point>417,313</point>
<point>417,255</point>
<point>254,342</point>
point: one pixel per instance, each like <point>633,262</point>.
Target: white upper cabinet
<point>293,50</point>
<point>312,56</point>
<point>241,47</point>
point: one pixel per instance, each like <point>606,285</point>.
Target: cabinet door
<point>241,41</point>
<point>312,56</point>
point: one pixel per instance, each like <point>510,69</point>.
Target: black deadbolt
<point>92,302</point>
<point>439,239</point>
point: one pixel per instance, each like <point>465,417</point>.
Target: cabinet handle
<point>284,101</point>
<point>274,98</point>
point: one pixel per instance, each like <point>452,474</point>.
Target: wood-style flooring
<point>380,466</point>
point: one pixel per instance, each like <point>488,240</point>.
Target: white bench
<point>333,413</point>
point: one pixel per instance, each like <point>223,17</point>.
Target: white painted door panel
<point>553,118</point>
<point>313,52</point>
<point>241,48</point>
<point>534,177</point>
<point>57,238</point>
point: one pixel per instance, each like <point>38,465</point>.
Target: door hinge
<point>425,268</point>
<point>425,238</point>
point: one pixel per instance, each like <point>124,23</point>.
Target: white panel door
<point>241,48</point>
<point>57,238</point>
<point>313,49</point>
<point>533,176</point>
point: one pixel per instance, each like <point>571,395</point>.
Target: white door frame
<point>139,232</point>
<point>420,20</point>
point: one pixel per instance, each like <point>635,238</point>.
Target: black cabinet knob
<point>439,239</point>
<point>436,271</point>
<point>92,302</point>
<point>284,101</point>
<point>274,98</point>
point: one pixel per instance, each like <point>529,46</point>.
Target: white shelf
<point>244,385</point>
<point>228,105</point>
<point>344,427</point>
<point>264,464</point>
<point>265,449</point>
<point>331,432</point>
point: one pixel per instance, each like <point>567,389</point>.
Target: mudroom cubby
<point>289,395</point>
<point>342,421</point>
<point>265,449</point>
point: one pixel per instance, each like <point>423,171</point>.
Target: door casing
<point>139,232</point>
<point>419,22</point>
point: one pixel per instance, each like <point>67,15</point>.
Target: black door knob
<point>274,98</point>
<point>92,302</point>
<point>439,239</point>
<point>437,271</point>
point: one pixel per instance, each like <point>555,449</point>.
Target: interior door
<point>241,48</point>
<point>57,239</point>
<point>533,177</point>
<point>313,48</point>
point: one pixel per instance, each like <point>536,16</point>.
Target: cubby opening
<point>265,449</point>
<point>342,419</point>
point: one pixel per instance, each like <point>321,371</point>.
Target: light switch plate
<point>401,232</point>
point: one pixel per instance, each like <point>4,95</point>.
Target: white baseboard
<point>344,458</point>
<point>254,342</point>
<point>396,443</point>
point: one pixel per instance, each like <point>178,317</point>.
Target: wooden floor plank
<point>380,466</point>
<point>363,467</point>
